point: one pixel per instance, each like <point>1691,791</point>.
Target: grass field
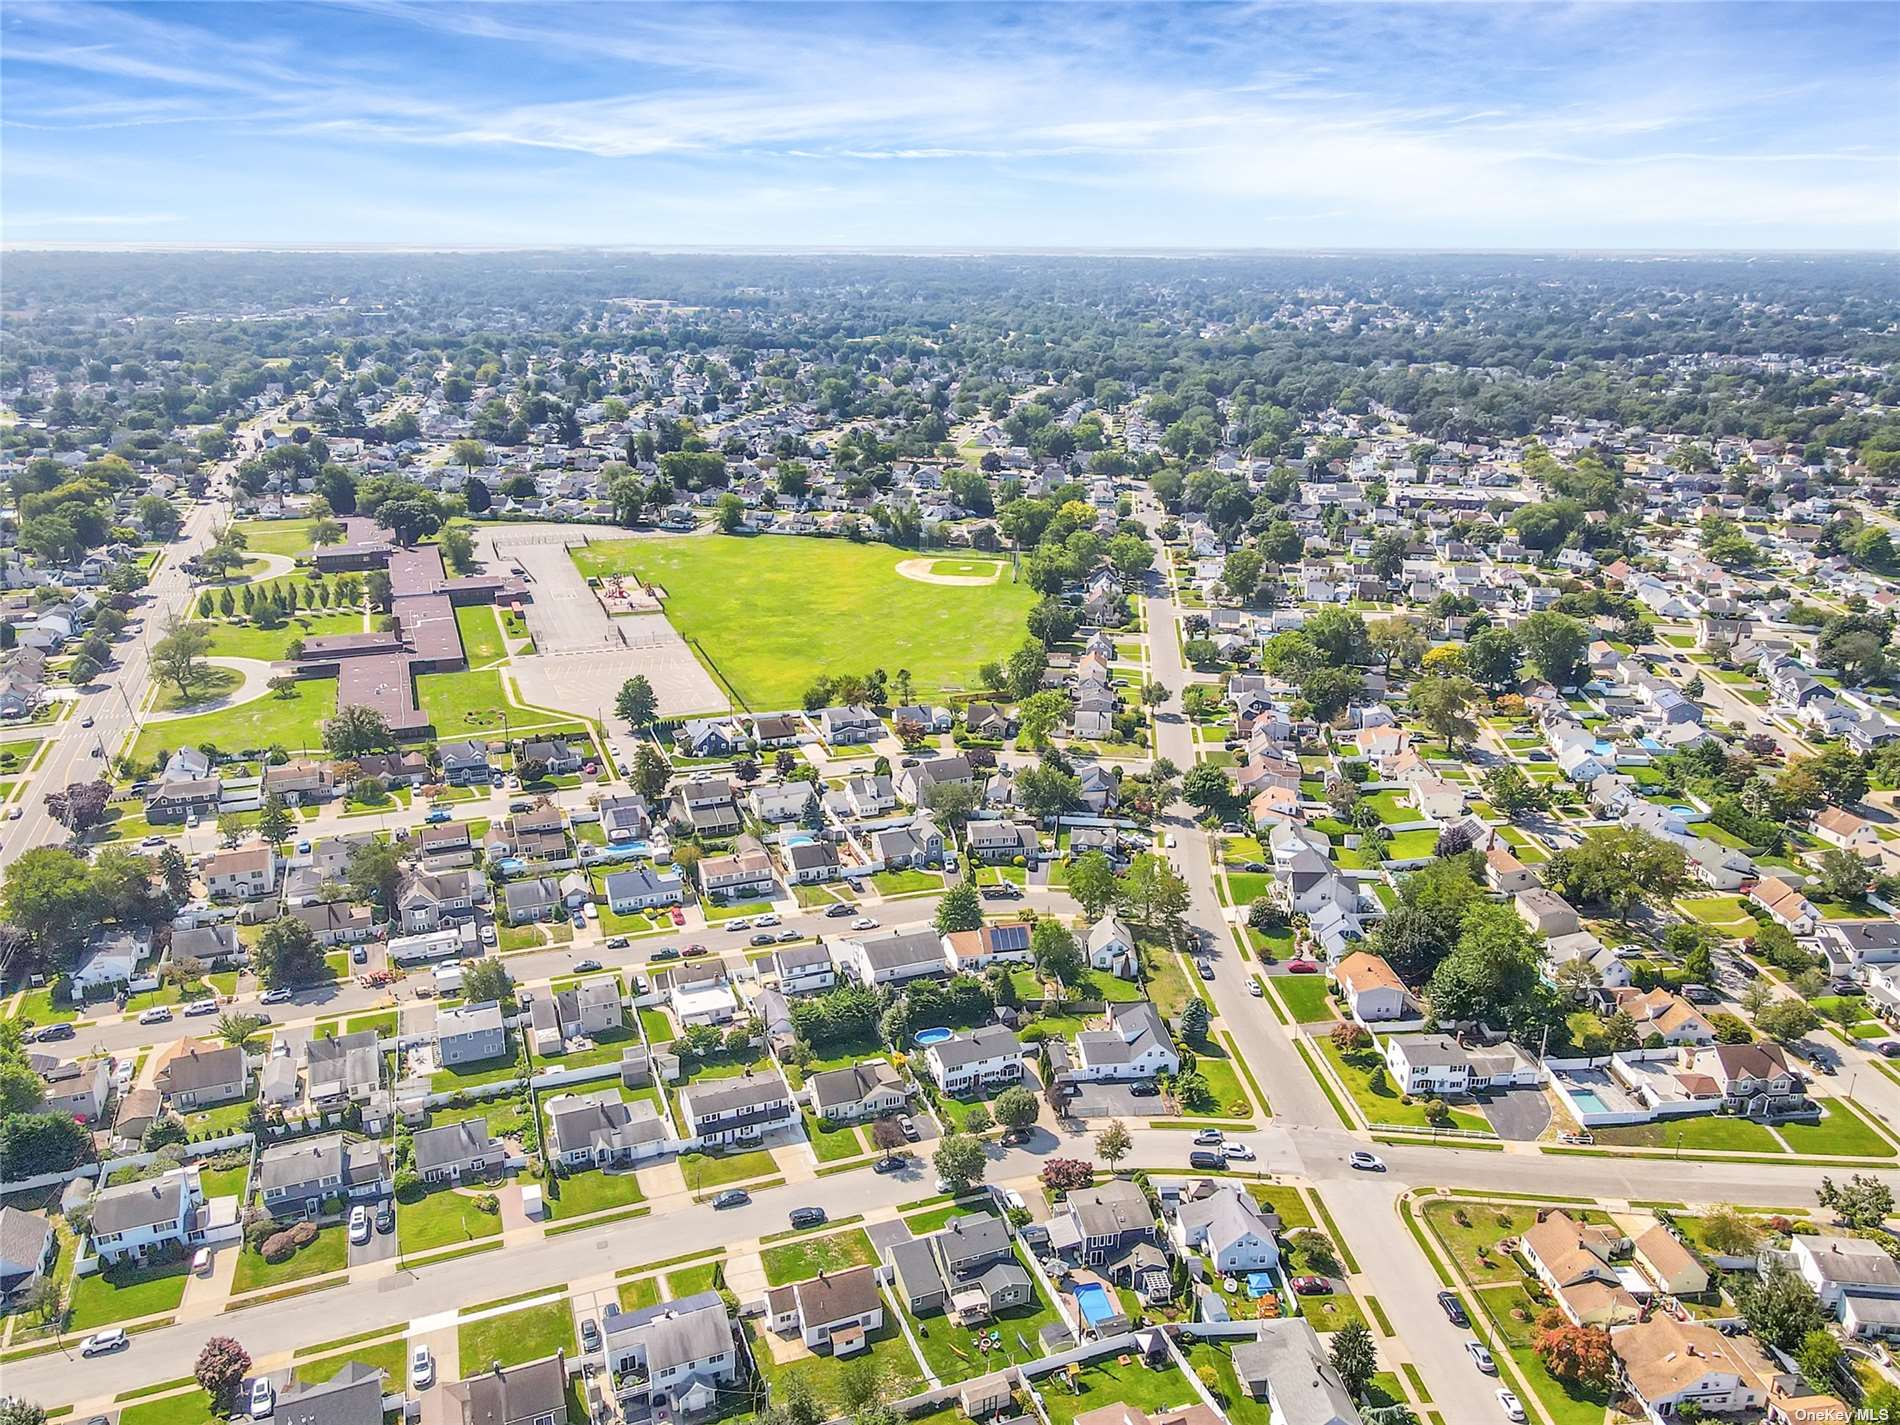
<point>286,537</point>
<point>101,1299</point>
<point>775,612</point>
<point>243,640</point>
<point>1739,1135</point>
<point>213,683</point>
<point>294,722</point>
<point>443,1218</point>
<point>329,1253</point>
<point>481,635</point>
<point>516,1336</point>
<point>1305,997</point>
<point>800,1261</point>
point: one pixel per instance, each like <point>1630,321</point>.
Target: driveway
<point>1518,1114</point>
<point>381,1246</point>
<point>1111,1101</point>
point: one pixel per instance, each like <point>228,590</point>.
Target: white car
<point>1366,1162</point>
<point>421,1368</point>
<point>770,918</point>
<point>1481,1358</point>
<point>359,1224</point>
<point>488,935</point>
<point>1509,1404</point>
<point>263,1399</point>
<point>202,1006</point>
<point>101,1342</point>
<point>274,997</point>
<point>864,922</point>
<point>1209,1137</point>
<point>1237,1152</point>
<point>157,1014</point>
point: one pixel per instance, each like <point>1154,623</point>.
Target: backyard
<point>776,612</point>
<point>953,1353</point>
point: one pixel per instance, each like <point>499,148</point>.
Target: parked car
<point>586,966</point>
<point>770,918</point>
<point>1507,1402</point>
<point>864,922</point>
<point>890,1163</point>
<point>1454,1309</point>
<point>1366,1162</point>
<point>766,939</point>
<point>694,950</point>
<point>263,1398</point>
<point>359,956</point>
<point>1206,968</point>
<point>489,935</point>
<point>1481,1357</point>
<point>665,952</point>
<point>100,1342</point>
<point>1300,965</point>
<point>52,1032</point>
<point>359,1224</point>
<point>839,911</point>
<point>1310,1285</point>
<point>590,1335</point>
<point>274,997</point>
<point>436,818</point>
<point>152,841</point>
<point>742,923</point>
<point>1888,1048</point>
<point>385,1216</point>
<point>732,1197</point>
<point>201,1262</point>
<point>1210,1135</point>
<point>1206,1159</point>
<point>157,1014</point>
<point>1255,988</point>
<point>787,937</point>
<point>909,1125</point>
<point>1238,1152</point>
<point>619,942</point>
<point>421,1368</point>
<point>1144,1089</point>
<point>196,1007</point>
<point>808,1216</point>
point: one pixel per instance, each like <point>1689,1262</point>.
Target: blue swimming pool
<point>1259,1284</point>
<point>1587,1101</point>
<point>924,1038</point>
<point>1095,1304</point>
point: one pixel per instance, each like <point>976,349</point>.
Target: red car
<point>679,916</point>
<point>1310,1286</point>
<point>1302,967</point>
<point>693,949</point>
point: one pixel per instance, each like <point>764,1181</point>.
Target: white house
<point>976,1059</point>
<point>1428,1063</point>
<point>1135,1045</point>
<point>135,1220</point>
<point>1374,991</point>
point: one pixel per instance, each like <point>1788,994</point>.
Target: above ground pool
<point>924,1038</point>
<point>1094,1302</point>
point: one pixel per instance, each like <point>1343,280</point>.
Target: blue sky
<point>1357,125</point>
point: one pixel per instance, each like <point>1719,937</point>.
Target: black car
<point>1888,1048</point>
<point>1143,1090</point>
<point>840,910</point>
<point>892,1164</point>
<point>1202,1158</point>
<point>808,1216</point>
<point>767,939</point>
<point>1453,1308</point>
<point>385,1217</point>
<point>52,1032</point>
<point>665,952</point>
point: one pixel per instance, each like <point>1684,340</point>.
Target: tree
<point>1039,715</point>
<point>1578,1354</point>
<point>221,1368</point>
<point>410,519</point>
<point>1092,883</point>
<point>1493,656</point>
<point>887,1134</point>
<point>355,730</point>
<point>469,454</point>
<point>1787,1020</point>
<point>275,822</point>
<point>373,871</point>
<point>1779,1307</point>
<point>1067,1174</point>
<point>1843,875</point>
<point>1861,1201</point>
<point>1354,1358</point>
<point>287,954</point>
<point>458,548</point>
<point>1016,1108</point>
<point>179,655</point>
<point>650,771</point>
<point>47,892</point>
<point>1240,573</point>
<point>35,1143</point>
<point>1207,787</point>
<point>1617,867</point>
<point>487,980</point>
<point>960,909</point>
<point>1113,1143</point>
<point>1819,1356</point>
<point>21,1090</point>
<point>1056,954</point>
<point>1556,643</point>
<point>636,701</point>
<point>1154,897</point>
<point>1727,1233</point>
<point>731,512</point>
<point>239,1030</point>
<point>959,1161</point>
<point>81,806</point>
<point>1048,791</point>
<point>1445,705</point>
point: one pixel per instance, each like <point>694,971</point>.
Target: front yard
<point>712,1170</point>
<point>329,1253</point>
<point>443,1218</point>
<point>803,1259</point>
<point>516,1336</point>
<point>593,1191</point>
<point>124,1293</point>
<point>1366,1079</point>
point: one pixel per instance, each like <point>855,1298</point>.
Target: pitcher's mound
<point>966,572</point>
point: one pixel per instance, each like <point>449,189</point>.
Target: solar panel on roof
<point>1009,937</point>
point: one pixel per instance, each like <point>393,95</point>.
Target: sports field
<point>773,612</point>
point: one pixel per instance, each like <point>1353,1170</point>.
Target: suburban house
<point>194,1075</point>
<point>428,900</point>
<point>353,1396</point>
<point>600,1129</point>
<point>1224,1221</point>
<point>530,1394</point>
<point>1112,1228</point>
<point>809,861</point>
<point>998,841</point>
<point>1785,903</point>
<point>891,958</point>
<point>1503,872</point>
<point>736,1109</point>
<point>746,871</point>
<point>863,1091</point>
<point>1374,991</point>
<point>976,1059</point>
<point>1840,827</point>
<point>1856,1281</point>
<point>1428,1063</point>
<point>77,1088</point>
<point>643,887</point>
<point>1573,1260</point>
<point>469,1033</point>
<point>527,901</point>
<point>1670,1265</point>
<point>1288,1370</point>
<point>673,1359</point>
<point>700,992</point>
<point>968,1269</point>
<point>137,1220</point>
<point>466,762</point>
<point>246,875</point>
<point>300,1176</point>
<point>1667,1364</point>
<point>452,1151</point>
<point>802,969</point>
<point>835,1311</point>
<point>974,951</point>
<point>1112,948</point>
<point>1135,1044</point>
<point>28,1248</point>
<point>346,1068</point>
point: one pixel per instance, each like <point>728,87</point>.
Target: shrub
<point>488,1203</point>
<point>278,1248</point>
<point>303,1234</point>
<point>408,1185</point>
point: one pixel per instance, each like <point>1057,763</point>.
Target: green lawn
<point>710,1170</point>
<point>1305,997</point>
<point>329,1253</point>
<point>1740,1135</point>
<point>1285,1200</point>
<point>1245,887</point>
<point>213,683</point>
<point>951,1350</point>
<point>459,704</point>
<point>594,1191</point>
<point>1379,1100</point>
<point>774,612</point>
<point>1464,1227</point>
<point>481,634</point>
<point>1107,1381</point>
<point>1843,1131</point>
<point>516,1336</point>
<point>191,1408</point>
<point>391,1357</point>
<point>639,1293</point>
<point>443,1218</point>
<point>287,537</point>
<point>833,1142</point>
<point>889,1361</point>
<point>243,640</point>
<point>905,883</point>
<point>480,1071</point>
<point>1728,913</point>
<point>103,1298</point>
<point>293,722</point>
<point>1411,845</point>
<point>1567,1405</point>
<point>806,1258</point>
